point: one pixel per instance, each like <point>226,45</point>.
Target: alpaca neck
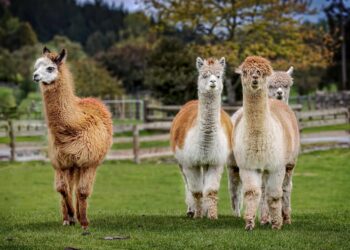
<point>256,112</point>
<point>208,119</point>
<point>60,102</point>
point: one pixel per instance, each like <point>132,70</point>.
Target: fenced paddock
<point>25,140</point>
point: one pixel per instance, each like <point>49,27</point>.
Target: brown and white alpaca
<point>265,141</point>
<point>79,134</point>
<point>201,140</point>
<point>279,84</point>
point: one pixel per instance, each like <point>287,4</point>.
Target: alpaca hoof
<point>198,215</point>
<point>237,214</point>
<point>249,226</point>
<point>212,214</point>
<point>276,225</point>
<point>264,221</point>
<point>287,221</point>
<point>85,227</point>
<point>66,223</point>
<point>190,214</point>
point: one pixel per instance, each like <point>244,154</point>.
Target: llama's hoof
<point>212,215</point>
<point>237,214</point>
<point>85,227</point>
<point>190,214</point>
<point>69,222</point>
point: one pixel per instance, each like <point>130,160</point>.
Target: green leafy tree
<point>8,103</point>
<point>171,72</point>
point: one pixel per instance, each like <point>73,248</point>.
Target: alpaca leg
<point>235,189</point>
<point>212,176</point>
<point>251,180</point>
<point>76,183</point>
<point>63,186</point>
<point>189,198</point>
<point>264,208</point>
<point>287,189</point>
<point>194,179</point>
<point>84,189</point>
<point>274,197</point>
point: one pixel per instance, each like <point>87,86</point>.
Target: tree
<point>171,72</point>
<point>8,102</point>
<point>127,61</point>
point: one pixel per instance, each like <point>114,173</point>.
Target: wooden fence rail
<point>14,150</point>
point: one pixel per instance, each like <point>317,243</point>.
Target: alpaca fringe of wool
<point>80,134</point>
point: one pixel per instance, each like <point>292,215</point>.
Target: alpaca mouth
<point>279,97</point>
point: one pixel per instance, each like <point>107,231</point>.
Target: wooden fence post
<point>145,110</point>
<point>12,140</point>
<point>136,143</point>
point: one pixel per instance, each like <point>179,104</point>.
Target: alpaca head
<point>254,71</point>
<point>279,84</point>
<point>46,68</point>
<point>211,73</point>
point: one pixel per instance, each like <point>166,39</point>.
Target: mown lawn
<point>146,202</point>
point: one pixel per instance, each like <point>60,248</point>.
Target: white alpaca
<point>266,140</point>
<point>201,140</point>
<point>279,84</point>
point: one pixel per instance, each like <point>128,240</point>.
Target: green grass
<point>23,139</point>
<point>146,202</point>
<point>326,128</point>
<point>147,144</point>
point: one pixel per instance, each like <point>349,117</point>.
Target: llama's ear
<point>222,61</point>
<point>290,71</point>
<point>46,50</point>
<point>199,63</point>
<point>61,57</point>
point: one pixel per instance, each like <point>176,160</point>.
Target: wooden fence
<point>37,150</point>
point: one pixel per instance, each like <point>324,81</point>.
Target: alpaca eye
<point>50,69</point>
<point>205,76</point>
<point>258,72</point>
<point>218,76</point>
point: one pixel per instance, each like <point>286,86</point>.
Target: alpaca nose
<point>279,92</point>
<point>36,77</point>
<point>212,84</point>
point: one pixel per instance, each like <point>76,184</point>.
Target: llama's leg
<point>274,196</point>
<point>63,186</point>
<point>84,189</point>
<point>76,183</point>
<point>235,189</point>
<point>194,179</point>
<point>287,189</point>
<point>212,176</point>
<point>251,180</point>
<point>189,197</point>
<point>264,208</point>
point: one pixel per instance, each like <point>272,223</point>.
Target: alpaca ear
<point>238,70</point>
<point>222,61</point>
<point>61,57</point>
<point>290,71</point>
<point>46,50</point>
<point>199,63</point>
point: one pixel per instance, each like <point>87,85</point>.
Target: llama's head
<point>211,73</point>
<point>279,84</point>
<point>254,71</point>
<point>46,68</point>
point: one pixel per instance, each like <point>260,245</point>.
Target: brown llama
<point>79,134</point>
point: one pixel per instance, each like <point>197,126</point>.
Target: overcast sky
<point>133,5</point>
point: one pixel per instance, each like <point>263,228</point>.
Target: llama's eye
<point>218,76</point>
<point>205,76</point>
<point>50,69</point>
<point>258,72</point>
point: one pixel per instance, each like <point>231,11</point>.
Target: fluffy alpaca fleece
<point>279,84</point>
<point>79,134</point>
<point>266,140</point>
<point>201,140</point>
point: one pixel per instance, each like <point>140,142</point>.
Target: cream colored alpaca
<point>279,84</point>
<point>266,140</point>
<point>201,140</point>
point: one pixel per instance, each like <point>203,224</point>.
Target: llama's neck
<point>256,112</point>
<point>60,102</point>
<point>208,119</point>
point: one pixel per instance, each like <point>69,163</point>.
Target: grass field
<point>146,202</point>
